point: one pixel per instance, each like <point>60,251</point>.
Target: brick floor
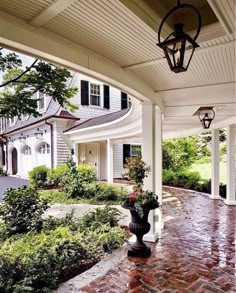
<point>196,252</point>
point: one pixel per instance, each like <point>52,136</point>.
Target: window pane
<point>41,101</point>
<point>95,100</point>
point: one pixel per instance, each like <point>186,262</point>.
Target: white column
<point>215,165</point>
<point>158,173</point>
<point>148,154</point>
<point>109,161</point>
<point>231,168</point>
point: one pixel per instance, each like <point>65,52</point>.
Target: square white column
<point>109,161</point>
<point>231,167</point>
<point>215,165</point>
<point>152,156</point>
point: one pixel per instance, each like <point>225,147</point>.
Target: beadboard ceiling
<point>124,32</point>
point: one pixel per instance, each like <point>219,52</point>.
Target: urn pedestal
<point>139,227</point>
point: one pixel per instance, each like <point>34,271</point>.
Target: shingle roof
<point>99,120</point>
<point>53,111</point>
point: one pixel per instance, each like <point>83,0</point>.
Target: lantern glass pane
<point>188,54</point>
<point>177,53</point>
<point>170,51</point>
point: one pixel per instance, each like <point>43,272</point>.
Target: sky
<point>26,60</point>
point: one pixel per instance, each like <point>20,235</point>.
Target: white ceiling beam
<point>220,16</point>
<point>51,11</point>
<point>197,52</point>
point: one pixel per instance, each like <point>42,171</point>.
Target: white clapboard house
<point>27,141</point>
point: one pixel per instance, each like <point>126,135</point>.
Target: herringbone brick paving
<point>196,251</point>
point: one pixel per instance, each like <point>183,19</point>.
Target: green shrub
<point>55,175</point>
<point>87,173</point>
<point>108,216</point>
<point>106,192</point>
<point>187,179</point>
<point>38,262</point>
<point>2,172</point>
<point>169,177</point>
<point>39,175</point>
<point>22,210</point>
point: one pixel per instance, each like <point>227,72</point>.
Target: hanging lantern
<point>206,118</point>
<point>179,47</point>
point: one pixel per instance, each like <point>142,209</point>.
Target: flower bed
<point>37,254</point>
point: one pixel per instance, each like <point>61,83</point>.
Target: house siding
<point>88,112</point>
<point>61,143</point>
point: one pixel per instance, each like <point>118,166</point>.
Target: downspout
<point>52,144</point>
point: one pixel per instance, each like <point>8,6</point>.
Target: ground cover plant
<point>37,258</point>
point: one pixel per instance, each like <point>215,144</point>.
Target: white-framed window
<point>44,148</point>
<point>135,150</point>
<point>27,150</point>
<point>41,102</point>
<point>24,117</point>
<point>95,94</point>
<point>12,121</point>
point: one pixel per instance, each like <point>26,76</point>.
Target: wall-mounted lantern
<point>22,138</point>
<point>179,47</point>
<point>38,134</point>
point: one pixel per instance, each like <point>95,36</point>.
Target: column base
<point>212,196</point>
<point>151,237</point>
<point>230,202</point>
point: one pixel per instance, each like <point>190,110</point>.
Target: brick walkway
<point>196,252</point>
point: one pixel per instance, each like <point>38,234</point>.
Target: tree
<point>19,85</point>
<point>179,153</point>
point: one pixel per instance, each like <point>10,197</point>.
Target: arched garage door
<point>44,154</point>
<point>27,162</point>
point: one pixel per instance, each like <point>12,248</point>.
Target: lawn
<point>204,170</point>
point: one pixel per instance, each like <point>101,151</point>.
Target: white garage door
<point>44,155</point>
<point>27,162</point>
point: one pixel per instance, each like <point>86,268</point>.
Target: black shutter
<point>126,152</point>
<point>84,92</point>
<point>106,96</point>
<point>124,101</point>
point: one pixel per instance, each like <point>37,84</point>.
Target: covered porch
<point>115,42</point>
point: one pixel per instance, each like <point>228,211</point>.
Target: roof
<point>99,120</point>
<point>52,112</point>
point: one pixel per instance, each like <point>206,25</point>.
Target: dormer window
<point>95,95</point>
<point>41,102</point>
<point>12,121</point>
<point>24,117</point>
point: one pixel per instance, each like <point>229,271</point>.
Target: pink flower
<point>132,196</point>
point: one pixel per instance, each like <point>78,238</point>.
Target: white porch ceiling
<point>120,34</point>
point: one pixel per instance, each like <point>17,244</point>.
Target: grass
<point>56,196</point>
<point>204,169</point>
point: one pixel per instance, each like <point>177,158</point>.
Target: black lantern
<point>22,138</point>
<point>179,47</point>
<point>206,118</point>
<point>38,134</point>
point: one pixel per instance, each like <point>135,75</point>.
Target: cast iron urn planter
<point>139,226</point>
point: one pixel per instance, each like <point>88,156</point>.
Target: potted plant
<point>139,202</point>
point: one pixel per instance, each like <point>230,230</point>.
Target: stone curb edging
<point>97,271</point>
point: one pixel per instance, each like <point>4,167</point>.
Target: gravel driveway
<point>10,182</point>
